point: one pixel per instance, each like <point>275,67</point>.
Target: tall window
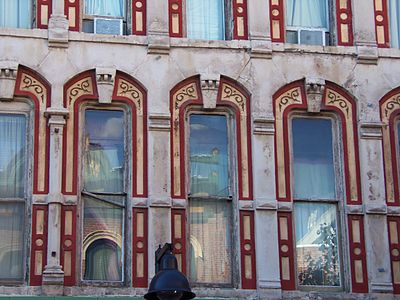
<point>316,203</point>
<point>205,19</point>
<point>394,17</point>
<point>210,201</point>
<point>13,163</point>
<point>15,13</point>
<point>307,22</point>
<point>104,197</point>
<point>104,16</point>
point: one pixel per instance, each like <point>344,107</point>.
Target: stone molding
<point>209,90</point>
<point>372,131</point>
<point>367,53</point>
<point>266,204</point>
<point>8,76</point>
<point>315,88</point>
<point>264,126</point>
<point>159,122</point>
<point>58,31</point>
<point>105,78</point>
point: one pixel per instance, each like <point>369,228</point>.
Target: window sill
<point>108,38</point>
<point>298,48</point>
<point>209,44</point>
<point>25,33</point>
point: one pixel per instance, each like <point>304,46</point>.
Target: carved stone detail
<point>105,84</point>
<point>315,90</point>
<point>209,89</point>
<point>8,75</point>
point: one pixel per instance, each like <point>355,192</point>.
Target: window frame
<point>231,199</point>
<point>339,201</point>
<point>21,106</point>
<point>126,250</point>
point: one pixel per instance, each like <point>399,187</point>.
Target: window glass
<point>313,168</point>
<point>103,231</point>
<point>394,14</point>
<point>210,248</point>
<point>104,151</point>
<point>205,19</point>
<point>208,156</point>
<point>111,8</point>
<point>317,244</point>
<point>15,13</point>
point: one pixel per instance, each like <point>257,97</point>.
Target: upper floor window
<point>307,22</point>
<point>15,13</point>
<point>210,201</point>
<point>104,197</point>
<point>13,170</point>
<point>394,24</point>
<point>316,202</point>
<point>104,16</point>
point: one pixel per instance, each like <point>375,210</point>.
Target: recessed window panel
<point>209,156</point>
<point>313,164</point>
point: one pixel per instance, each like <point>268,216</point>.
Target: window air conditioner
<point>108,26</point>
<point>312,37</point>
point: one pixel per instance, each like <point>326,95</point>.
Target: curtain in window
<point>104,151</point>
<point>112,8</point>
<point>15,13</point>
<point>205,19</point>
<point>313,168</point>
<point>394,15</point>
<point>317,244</point>
<point>210,241</point>
<point>12,156</point>
<point>208,156</point>
<point>307,13</point>
<point>11,237</point>
<point>103,259</point>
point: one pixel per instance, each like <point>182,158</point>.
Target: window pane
<point>111,8</point>
<point>208,156</point>
<point>307,13</point>
<point>104,151</point>
<point>15,13</point>
<point>12,156</point>
<point>394,14</point>
<point>11,237</point>
<point>210,241</point>
<point>205,19</point>
<point>103,240</point>
<point>314,176</point>
<point>317,244</point>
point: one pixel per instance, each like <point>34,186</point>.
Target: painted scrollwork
<point>125,89</point>
<point>184,94</point>
<point>290,96</point>
<point>391,105</point>
<point>231,94</point>
<point>334,98</point>
<point>80,88</point>
<point>30,84</point>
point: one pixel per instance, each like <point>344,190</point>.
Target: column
<point>259,28</point>
<point>58,25</point>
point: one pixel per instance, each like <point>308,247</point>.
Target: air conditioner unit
<point>108,26</point>
<point>312,37</point>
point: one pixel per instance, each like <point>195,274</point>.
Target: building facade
<point>260,137</point>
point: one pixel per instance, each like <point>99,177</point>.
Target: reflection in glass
<point>210,241</point>
<point>104,151</point>
<point>102,242</point>
<point>109,8</point>
<point>394,23</point>
<point>15,13</point>
<point>307,13</point>
<point>317,244</point>
<point>314,176</point>
<point>208,156</point>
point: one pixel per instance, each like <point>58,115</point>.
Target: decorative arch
<point>315,97</point>
<point>83,87</point>
<point>226,93</point>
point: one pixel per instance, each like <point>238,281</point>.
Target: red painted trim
<point>68,280</point>
<point>66,164</point>
<point>182,239</point>
<point>393,141</point>
<point>348,21</point>
<point>37,116</point>
<point>136,160</point>
<point>36,280</point>
<point>393,247</point>
<point>76,6</point>
<point>136,241</point>
<point>358,287</point>
<point>179,11</point>
<point>384,22</point>
<point>287,285</point>
<point>240,10</point>
<point>139,6</point>
<point>280,17</point>
<point>39,4</point>
<point>248,283</point>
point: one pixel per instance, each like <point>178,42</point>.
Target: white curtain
<point>205,19</point>
<point>12,156</point>
<point>307,13</point>
<point>15,13</point>
<point>394,15</point>
<point>11,237</point>
<point>112,8</point>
